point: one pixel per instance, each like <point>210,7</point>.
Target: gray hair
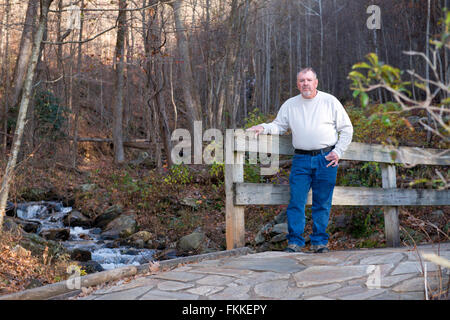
<point>304,70</point>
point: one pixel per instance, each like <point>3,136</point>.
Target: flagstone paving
<point>375,274</point>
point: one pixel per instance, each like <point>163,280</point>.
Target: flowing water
<point>50,215</point>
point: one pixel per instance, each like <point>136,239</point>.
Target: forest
<point>91,92</point>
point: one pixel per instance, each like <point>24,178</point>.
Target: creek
<point>49,215</point>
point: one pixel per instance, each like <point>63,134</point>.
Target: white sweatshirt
<point>315,123</point>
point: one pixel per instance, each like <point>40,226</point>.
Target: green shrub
<point>178,175</point>
<point>49,114</point>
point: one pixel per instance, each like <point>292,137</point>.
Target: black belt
<point>314,152</point>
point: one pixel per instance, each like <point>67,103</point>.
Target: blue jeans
<point>310,172</point>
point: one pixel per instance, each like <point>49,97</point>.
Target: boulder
<point>189,202</point>
<point>341,221</point>
<point>121,227</point>
<point>281,217</point>
<point>280,228</point>
<point>102,220</point>
<point>259,238</point>
<point>278,238</point>
<point>28,226</point>
<point>77,219</point>
<point>10,225</point>
<point>87,187</point>
<point>139,239</point>
<point>10,210</point>
<point>165,254</point>
<point>272,235</point>
<point>80,255</point>
<point>59,234</point>
<point>90,266</point>
<point>37,245</point>
<point>21,251</point>
<point>39,194</point>
<point>191,242</point>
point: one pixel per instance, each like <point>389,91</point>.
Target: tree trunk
<point>26,44</point>
<point>427,67</point>
<point>77,100</point>
<point>5,76</point>
<point>26,96</point>
<point>119,155</point>
<point>191,96</point>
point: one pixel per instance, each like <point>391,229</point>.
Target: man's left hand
<point>333,158</point>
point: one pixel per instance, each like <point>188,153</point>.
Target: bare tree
<point>119,155</point>
<point>25,101</point>
<point>190,93</point>
<point>26,44</point>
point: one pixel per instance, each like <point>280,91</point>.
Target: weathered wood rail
<point>239,194</point>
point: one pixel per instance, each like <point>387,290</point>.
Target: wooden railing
<point>239,194</point>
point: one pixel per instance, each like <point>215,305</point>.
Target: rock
<point>165,254</point>
<point>10,225</point>
<point>273,233</point>
<point>37,245</point>
<point>21,251</point>
<point>192,241</point>
<point>29,226</point>
<point>10,210</point>
<point>39,194</point>
<point>102,220</point>
<point>139,244</point>
<point>121,227</point>
<point>139,239</point>
<point>60,234</point>
<point>77,219</point>
<point>278,238</point>
<point>280,228</point>
<point>281,218</point>
<point>87,187</point>
<point>81,255</point>
<point>259,238</point>
<point>34,283</point>
<point>90,266</point>
<point>85,236</point>
<point>141,235</point>
<point>142,156</point>
<point>341,221</point>
<point>437,214</point>
<point>190,202</point>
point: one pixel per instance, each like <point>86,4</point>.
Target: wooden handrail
<point>239,194</point>
<point>245,142</point>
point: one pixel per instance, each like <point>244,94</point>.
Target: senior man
<point>321,132</point>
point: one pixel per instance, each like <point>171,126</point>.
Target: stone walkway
<point>380,274</point>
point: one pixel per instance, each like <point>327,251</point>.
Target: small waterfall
<point>50,216</point>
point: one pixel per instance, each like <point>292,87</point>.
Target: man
<point>321,132</point>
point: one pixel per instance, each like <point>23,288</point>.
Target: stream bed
<point>49,216</point>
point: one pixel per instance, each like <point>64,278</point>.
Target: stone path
<point>380,274</point>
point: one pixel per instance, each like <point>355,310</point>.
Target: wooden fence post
<point>391,223</point>
<point>234,172</point>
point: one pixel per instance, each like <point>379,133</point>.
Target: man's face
<point>307,84</point>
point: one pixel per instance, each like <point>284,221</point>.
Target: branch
<point>83,41</point>
<point>133,9</point>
